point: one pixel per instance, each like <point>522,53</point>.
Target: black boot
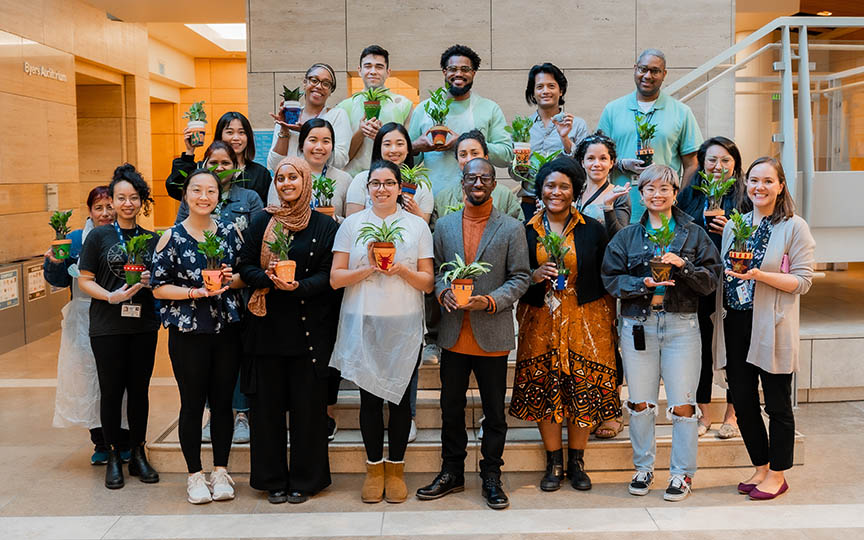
<point>114,470</point>
<point>138,466</point>
<point>554,471</point>
<point>576,470</point>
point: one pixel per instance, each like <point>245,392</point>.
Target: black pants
<point>334,379</point>
<point>433,317</point>
<point>491,375</point>
<point>124,364</point>
<point>205,367</point>
<point>98,440</point>
<point>706,332</point>
<point>289,384</point>
<point>372,426</point>
<point>776,446</point>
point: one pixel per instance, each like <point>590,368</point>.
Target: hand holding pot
<point>281,285</point>
<point>476,303</point>
<point>227,274</point>
<point>410,205</point>
<point>285,126</point>
<point>145,278</point>
<point>50,256</point>
<point>753,273</point>
<point>370,127</point>
<point>204,292</point>
<point>547,271</point>
<point>124,293</point>
<point>717,224</point>
<point>395,269</point>
<point>564,126</point>
<point>635,166</point>
<point>649,282</point>
<point>187,133</point>
<point>429,146</point>
<point>672,259</point>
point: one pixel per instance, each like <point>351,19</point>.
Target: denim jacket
<point>625,267</point>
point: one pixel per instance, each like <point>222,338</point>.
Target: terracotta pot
<point>409,189</point>
<point>196,138</point>
<point>741,261</point>
<point>462,289</point>
<point>133,273</point>
<point>709,217</point>
<point>646,155</point>
<point>384,253</point>
<point>326,210</point>
<point>372,109</point>
<point>212,279</point>
<point>291,111</point>
<point>439,136</point>
<point>285,270</point>
<point>660,271</point>
<point>61,248</point>
<point>522,150</point>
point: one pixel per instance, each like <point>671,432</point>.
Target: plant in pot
<point>553,243</point>
<point>662,239</point>
<point>527,174</point>
<point>740,256</point>
<point>372,99</point>
<point>383,240</point>
<point>291,104</point>
<point>412,178</point>
<point>714,189</point>
<point>61,245</point>
<point>520,131</point>
<point>645,129</point>
<point>461,277</point>
<point>280,246</point>
<point>453,208</point>
<point>135,248</point>
<point>438,107</point>
<point>212,250</point>
<point>197,120</point>
<point>323,189</point>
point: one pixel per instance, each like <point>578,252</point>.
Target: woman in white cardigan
<point>756,325</point>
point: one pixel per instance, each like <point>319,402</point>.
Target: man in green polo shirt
<point>374,69</point>
<point>677,137</point>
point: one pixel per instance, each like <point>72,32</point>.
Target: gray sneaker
<point>431,354</point>
<point>241,429</point>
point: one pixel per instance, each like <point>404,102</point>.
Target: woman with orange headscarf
<point>289,337</point>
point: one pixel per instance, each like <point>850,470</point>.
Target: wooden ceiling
<point>838,8</point>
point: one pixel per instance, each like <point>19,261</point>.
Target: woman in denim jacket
<point>660,333</point>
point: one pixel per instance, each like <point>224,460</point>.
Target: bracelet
<point>287,135</point>
<point>191,297</point>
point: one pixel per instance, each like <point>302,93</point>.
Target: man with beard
<point>677,137</point>
<point>468,111</point>
<point>477,336</point>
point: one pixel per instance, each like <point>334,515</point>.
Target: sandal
<point>606,430</point>
<point>728,431</point>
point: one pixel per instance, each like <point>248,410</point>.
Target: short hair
<point>128,173</point>
<point>225,147</point>
<point>564,165</point>
<point>474,134</point>
<point>376,50</point>
<point>598,137</point>
<point>551,69</point>
<point>379,139</point>
<point>204,171</point>
<point>308,126</point>
<point>784,208</point>
<point>98,192</point>
<point>460,50</point>
<point>225,121</point>
<point>652,52</point>
<point>480,159</point>
<point>327,68</point>
<point>664,173</point>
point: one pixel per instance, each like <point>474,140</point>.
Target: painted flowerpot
<point>646,155</point>
<point>660,271</point>
<point>133,273</point>
<point>560,282</point>
<point>212,279</point>
<point>741,261</point>
<point>409,189</point>
<point>60,248</point>
<point>439,136</point>
<point>372,109</point>
<point>326,210</point>
<point>291,111</point>
<point>522,150</point>
<point>710,214</point>
<point>462,289</point>
<point>384,253</point>
<point>196,137</point>
<point>285,270</point>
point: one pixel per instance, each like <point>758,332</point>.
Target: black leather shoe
<point>554,471</point>
<point>444,484</point>
<point>140,467</point>
<point>494,494</point>
<point>114,471</point>
<point>297,497</point>
<point>576,470</point>
<point>277,496</point>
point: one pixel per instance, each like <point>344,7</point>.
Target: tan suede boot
<point>395,490</point>
<point>373,485</point>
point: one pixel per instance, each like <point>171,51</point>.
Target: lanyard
<point>580,206</point>
<point>548,227</point>
<point>120,233</point>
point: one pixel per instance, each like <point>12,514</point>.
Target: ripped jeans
<point>672,351</point>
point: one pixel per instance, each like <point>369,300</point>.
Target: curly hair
<point>598,137</point>
<point>460,50</point>
<point>128,173</point>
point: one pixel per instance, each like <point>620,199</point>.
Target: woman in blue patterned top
<point>204,331</point>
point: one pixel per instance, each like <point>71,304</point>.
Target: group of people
<point>285,343</point>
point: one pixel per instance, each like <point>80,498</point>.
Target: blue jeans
<point>672,351</point>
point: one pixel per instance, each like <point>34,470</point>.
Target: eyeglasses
<point>486,179</point>
<point>642,70</point>
<point>664,191</point>
<point>315,81</point>
<point>375,184</point>
<point>452,70</point>
<point>726,162</point>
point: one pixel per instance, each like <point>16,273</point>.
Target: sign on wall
<point>8,289</point>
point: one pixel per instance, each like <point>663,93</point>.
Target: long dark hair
<point>308,126</point>
<point>739,190</point>
<point>598,137</point>
<point>225,120</point>
<point>221,145</point>
<point>784,207</point>
<point>385,129</point>
<point>128,173</point>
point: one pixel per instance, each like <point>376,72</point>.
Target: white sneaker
<point>431,354</point>
<point>221,483</point>
<point>412,435</point>
<point>205,431</point>
<point>241,428</point>
<point>197,489</point>
<point>679,488</point>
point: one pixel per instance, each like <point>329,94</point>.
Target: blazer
<point>503,246</point>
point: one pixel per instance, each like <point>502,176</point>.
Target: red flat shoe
<point>745,489</point>
<point>756,495</point>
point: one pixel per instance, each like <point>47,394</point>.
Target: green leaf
<point>136,247</point>
<point>375,93</point>
<point>196,112</point>
<point>211,248</point>
<point>281,244</point>
<point>741,230</point>
<point>460,270</point>
<point>291,95</point>
<point>323,189</point>
<point>438,106</point>
<point>59,222</point>
<point>663,236</point>
<point>554,245</point>
<point>520,128</point>
<point>418,174</point>
<point>383,233</point>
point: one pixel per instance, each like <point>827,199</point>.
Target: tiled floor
<point>833,307</point>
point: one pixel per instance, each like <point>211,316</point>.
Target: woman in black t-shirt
<point>123,323</point>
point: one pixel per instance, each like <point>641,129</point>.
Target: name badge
<point>743,292</point>
<point>131,310</point>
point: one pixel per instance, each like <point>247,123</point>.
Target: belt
<point>529,200</point>
<point>657,307</point>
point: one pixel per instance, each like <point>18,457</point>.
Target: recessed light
<point>824,13</point>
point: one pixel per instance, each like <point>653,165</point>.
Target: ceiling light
<point>230,37</point>
<point>824,13</point>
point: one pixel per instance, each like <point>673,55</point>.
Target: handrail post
<point>805,125</point>
<point>788,156</point>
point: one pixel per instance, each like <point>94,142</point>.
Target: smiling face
<point>102,213</point>
<point>718,159</point>
<point>557,193</point>
<point>236,136</point>
<point>317,87</point>
<point>383,189</point>
<point>373,70</point>
<point>317,147</point>
<point>468,150</point>
<point>459,74</point>
<point>220,159</point>
<point>763,187</point>
<point>394,147</point>
<point>649,73</point>
<point>597,162</point>
<point>478,181</point>
<point>546,91</point>
<point>289,184</point>
<point>659,196</point>
<point>127,201</point>
<point>202,194</point>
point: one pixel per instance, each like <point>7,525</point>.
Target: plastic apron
<point>443,165</point>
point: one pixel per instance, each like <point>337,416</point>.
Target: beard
<point>459,91</point>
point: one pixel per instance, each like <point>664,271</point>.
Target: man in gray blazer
<point>479,335</point>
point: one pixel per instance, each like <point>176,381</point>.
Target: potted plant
<point>212,250</point>
<point>527,173</point>
<point>383,240</point>
<point>740,256</point>
<point>136,248</point>
<point>323,189</point>
<point>453,208</point>
<point>412,178</point>
<point>461,277</point>
<point>553,243</point>
<point>520,131</point>
<point>291,104</point>
<point>61,245</point>
<point>438,107</point>
<point>280,246</point>
<point>714,189</point>
<point>662,239</point>
<point>646,131</point>
<point>372,98</point>
<point>197,120</point>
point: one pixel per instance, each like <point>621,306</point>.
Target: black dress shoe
<point>297,497</point>
<point>114,471</point>
<point>551,481</point>
<point>494,494</point>
<point>444,484</point>
<point>277,496</point>
<point>140,467</point>
<point>576,470</point>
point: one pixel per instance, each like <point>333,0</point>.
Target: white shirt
<point>338,118</point>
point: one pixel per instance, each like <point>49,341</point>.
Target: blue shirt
<point>545,140</point>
